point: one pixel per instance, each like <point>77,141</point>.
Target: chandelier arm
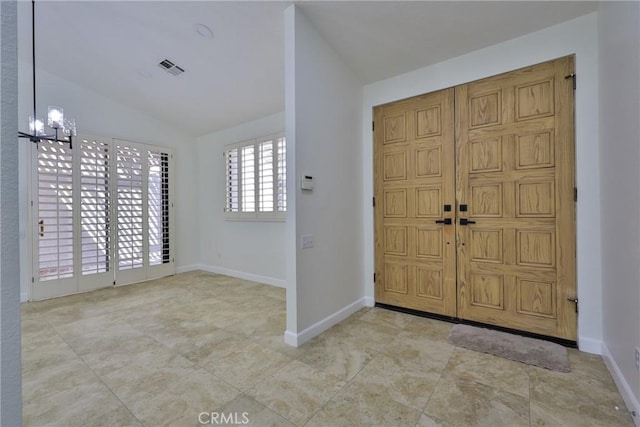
<point>35,137</point>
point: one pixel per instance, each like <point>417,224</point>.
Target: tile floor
<point>163,352</point>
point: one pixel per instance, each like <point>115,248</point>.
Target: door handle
<point>446,221</point>
<point>465,221</point>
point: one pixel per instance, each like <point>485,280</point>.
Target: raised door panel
<point>415,256</point>
<point>515,171</point>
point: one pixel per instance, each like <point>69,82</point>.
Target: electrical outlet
<point>638,358</point>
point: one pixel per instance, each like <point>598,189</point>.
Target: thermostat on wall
<point>306,182</point>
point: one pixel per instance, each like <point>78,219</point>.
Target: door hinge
<point>373,126</point>
<point>33,280</point>
<point>32,203</point>
<point>374,202</point>
<point>374,277</point>
<point>572,76</point>
<point>575,194</point>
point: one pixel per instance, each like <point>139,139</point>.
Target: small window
<point>256,179</point>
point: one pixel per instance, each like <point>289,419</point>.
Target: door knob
<point>465,221</point>
<point>446,221</point>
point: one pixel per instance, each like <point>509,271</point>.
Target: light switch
<point>307,241</point>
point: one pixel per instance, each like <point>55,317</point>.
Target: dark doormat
<point>509,346</point>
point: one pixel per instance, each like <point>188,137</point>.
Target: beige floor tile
<point>180,402</point>
<point>389,318</point>
<point>71,407</point>
<point>543,414</point>
<point>114,353</point>
<point>119,417</point>
<point>67,374</point>
<point>389,377</point>
<point>297,391</point>
<point>140,379</point>
<point>256,325</point>
<point>581,415</point>
<point>171,348</point>
<point>364,334</point>
<point>468,403</point>
<point>588,364</point>
<point>418,353</point>
<point>96,334</point>
<point>243,363</point>
<point>51,352</point>
<point>209,347</point>
<point>275,342</point>
<point>357,405</point>
<point>429,421</point>
<point>570,395</point>
<point>244,408</point>
<point>429,328</point>
<point>490,370</point>
<point>335,356</point>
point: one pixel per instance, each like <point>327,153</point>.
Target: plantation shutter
<point>129,211</point>
<point>95,206</point>
<point>158,208</point>
<point>55,211</point>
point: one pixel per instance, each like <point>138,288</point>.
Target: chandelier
<point>63,129</point>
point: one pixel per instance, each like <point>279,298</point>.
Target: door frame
<point>567,223</point>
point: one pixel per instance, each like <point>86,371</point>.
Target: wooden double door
<point>475,201</point>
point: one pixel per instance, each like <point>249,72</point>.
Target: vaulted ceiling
<point>114,47</point>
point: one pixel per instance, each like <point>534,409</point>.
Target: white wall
<point>10,360</point>
<point>578,36</point>
<point>323,103</point>
<point>249,249</point>
<point>97,115</point>
<point>619,45</point>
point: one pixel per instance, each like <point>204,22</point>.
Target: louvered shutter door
<point>95,213</point>
<point>129,213</point>
<point>158,208</point>
<point>55,262</point>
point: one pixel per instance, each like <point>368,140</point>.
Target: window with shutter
<point>256,179</point>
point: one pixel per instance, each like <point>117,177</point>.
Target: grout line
<point>101,381</point>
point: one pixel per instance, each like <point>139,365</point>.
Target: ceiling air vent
<point>170,67</point>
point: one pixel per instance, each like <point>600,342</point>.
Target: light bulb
<point>55,117</point>
<point>36,126</point>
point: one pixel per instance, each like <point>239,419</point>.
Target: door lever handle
<point>465,221</point>
<point>446,221</point>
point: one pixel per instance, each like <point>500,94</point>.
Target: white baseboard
<point>280,283</point>
<point>290,339</point>
<point>369,301</point>
<point>24,296</point>
<point>296,340</point>
<point>590,345</point>
<point>186,268</point>
<point>623,386</point>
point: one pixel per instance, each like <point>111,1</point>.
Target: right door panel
<point>515,189</point>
